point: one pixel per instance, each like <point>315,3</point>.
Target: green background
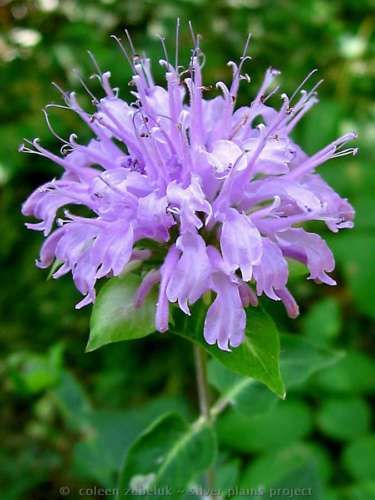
<point>66,416</point>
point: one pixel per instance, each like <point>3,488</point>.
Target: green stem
<point>200,359</point>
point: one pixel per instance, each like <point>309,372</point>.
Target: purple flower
<point>222,199</point>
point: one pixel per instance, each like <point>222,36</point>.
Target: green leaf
<point>73,403</point>
<point>105,434</point>
<point>326,314</point>
<point>31,470</point>
<point>287,422</point>
<point>100,455</point>
<point>292,468</point>
<point>361,491</point>
<point>365,214</point>
<point>114,317</point>
<point>257,357</point>
<point>227,474</point>
<point>354,374</point>
<point>359,458</point>
<point>322,459</point>
<point>300,359</point>
<point>110,434</point>
<point>247,395</point>
<point>344,418</point>
<point>355,253</point>
<point>333,494</point>
<point>166,457</point>
<point>32,372</point>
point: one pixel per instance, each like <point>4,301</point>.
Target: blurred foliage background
<point>67,417</point>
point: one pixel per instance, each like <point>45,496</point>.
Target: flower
<point>223,199</point>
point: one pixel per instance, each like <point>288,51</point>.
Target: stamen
<point>243,58</point>
<point>73,139</point>
<point>40,151</point>
<point>273,92</point>
<point>345,152</point>
<point>66,149</point>
<point>134,52</point>
<point>124,51</point>
<point>246,47</point>
<point>59,106</point>
<point>106,85</point>
<point>82,82</point>
<point>94,62</point>
<point>306,96</point>
<point>297,116</point>
<point>315,87</point>
<point>199,38</point>
<point>246,77</point>
<point>192,34</point>
<point>51,129</point>
<point>60,90</point>
<point>104,82</point>
<point>177,43</point>
<point>203,58</point>
<point>269,77</point>
<point>237,69</point>
<point>24,149</point>
<point>331,151</point>
<point>302,84</point>
<point>162,41</point>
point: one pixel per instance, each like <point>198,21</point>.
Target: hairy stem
<point>200,359</point>
<point>220,405</point>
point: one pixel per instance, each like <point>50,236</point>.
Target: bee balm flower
<point>222,199</point>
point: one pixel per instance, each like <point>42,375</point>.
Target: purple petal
<point>310,249</point>
<point>226,319</point>
<point>241,243</point>
<point>162,306</point>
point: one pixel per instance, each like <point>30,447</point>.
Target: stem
<point>222,403</point>
<point>200,359</point>
<point>219,407</point>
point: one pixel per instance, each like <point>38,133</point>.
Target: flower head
<point>222,198</point>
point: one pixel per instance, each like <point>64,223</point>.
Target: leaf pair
<point>114,318</point>
<point>166,457</point>
<point>170,453</point>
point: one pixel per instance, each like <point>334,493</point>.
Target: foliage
<point>75,419</point>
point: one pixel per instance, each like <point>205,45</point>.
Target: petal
<point>190,278</point>
<point>248,296</point>
<point>241,243</point>
<point>310,249</point>
<point>288,191</point>
<point>225,155</point>
<point>289,302</point>
<point>145,287</point>
<point>226,319</point>
<point>48,250</point>
<point>162,306</point>
<point>272,271</point>
<point>275,157</point>
<point>338,211</point>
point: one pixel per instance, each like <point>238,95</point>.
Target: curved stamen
<point>302,84</point>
